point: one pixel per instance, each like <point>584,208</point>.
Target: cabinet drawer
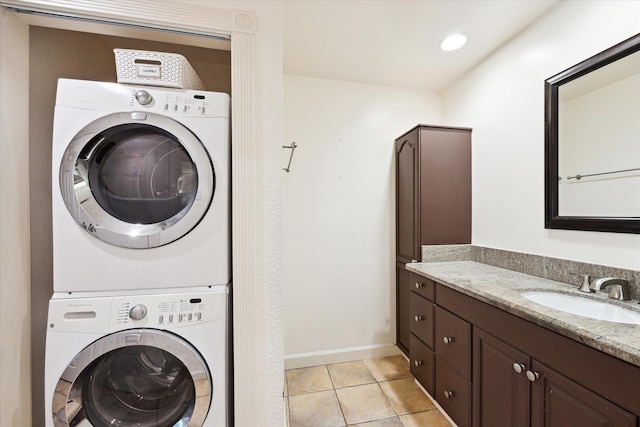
<point>453,393</point>
<point>421,320</point>
<point>423,364</point>
<point>423,286</point>
<point>453,341</point>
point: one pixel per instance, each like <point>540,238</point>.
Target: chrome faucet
<point>619,288</point>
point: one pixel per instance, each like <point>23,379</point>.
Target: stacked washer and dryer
<point>138,329</point>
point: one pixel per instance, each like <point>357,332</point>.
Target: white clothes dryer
<point>138,360</point>
<point>140,196</point>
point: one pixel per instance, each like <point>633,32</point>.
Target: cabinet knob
<point>448,394</point>
<point>447,340</point>
<point>532,376</point>
<point>518,367</point>
<point>419,318</point>
<point>419,285</point>
<point>417,362</point>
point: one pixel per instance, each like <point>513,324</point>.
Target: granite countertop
<point>501,288</point>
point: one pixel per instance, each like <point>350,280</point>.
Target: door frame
<point>250,307</point>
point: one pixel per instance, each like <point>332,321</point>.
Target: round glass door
<point>137,180</point>
<point>166,384</point>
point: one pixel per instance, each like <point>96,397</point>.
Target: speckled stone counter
<point>501,288</point>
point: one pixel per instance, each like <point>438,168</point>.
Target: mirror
<point>592,143</point>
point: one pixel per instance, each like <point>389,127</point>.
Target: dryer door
<point>139,377</point>
<point>136,179</point>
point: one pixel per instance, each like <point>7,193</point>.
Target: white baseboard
<point>305,360</point>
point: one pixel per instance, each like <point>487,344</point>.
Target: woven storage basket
<point>155,69</point>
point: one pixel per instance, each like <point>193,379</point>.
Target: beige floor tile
<point>431,418</point>
<point>320,409</point>
<point>406,396</point>
<point>364,403</point>
<point>350,373</point>
<point>308,380</point>
<point>387,422</point>
<point>389,368</point>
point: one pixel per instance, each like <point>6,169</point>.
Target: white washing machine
<point>140,179</point>
<point>138,360</point>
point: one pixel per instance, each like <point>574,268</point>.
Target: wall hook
<point>293,148</point>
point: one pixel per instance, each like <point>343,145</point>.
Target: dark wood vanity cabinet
<point>491,368</point>
<point>433,200</point>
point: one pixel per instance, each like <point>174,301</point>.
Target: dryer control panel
<point>109,314</point>
<point>113,97</point>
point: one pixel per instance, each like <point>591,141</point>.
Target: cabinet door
<point>423,286</point>
<point>444,185</point>
<point>423,364</point>
<point>453,341</point>
<point>453,393</point>
<point>500,387</point>
<point>402,307</point>
<point>407,244</point>
<point>421,318</point>
<point>558,401</point>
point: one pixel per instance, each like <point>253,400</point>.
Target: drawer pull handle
<point>447,340</point>
<point>448,394</point>
<point>419,285</point>
<point>419,318</point>
<point>418,362</point>
<point>532,376</point>
<point>518,367</point>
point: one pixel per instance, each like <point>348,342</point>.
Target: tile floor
<point>367,393</point>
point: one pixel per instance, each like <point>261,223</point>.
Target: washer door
<point>142,378</point>
<point>136,179</point>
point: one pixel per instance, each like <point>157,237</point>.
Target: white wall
<point>339,211</point>
<point>503,101</point>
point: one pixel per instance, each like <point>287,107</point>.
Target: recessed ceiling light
<point>453,42</point>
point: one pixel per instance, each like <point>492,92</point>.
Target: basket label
<point>148,70</point>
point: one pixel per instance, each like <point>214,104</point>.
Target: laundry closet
<point>54,54</point>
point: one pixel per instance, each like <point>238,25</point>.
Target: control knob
<point>138,312</point>
<point>143,97</point>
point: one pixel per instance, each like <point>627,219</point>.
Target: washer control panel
<point>164,311</point>
<point>177,103</point>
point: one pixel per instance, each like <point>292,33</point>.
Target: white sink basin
<point>585,307</point>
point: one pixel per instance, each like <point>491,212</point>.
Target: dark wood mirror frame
<point>552,84</point>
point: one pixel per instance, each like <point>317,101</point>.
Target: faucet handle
<point>585,284</point>
<point>620,292</point>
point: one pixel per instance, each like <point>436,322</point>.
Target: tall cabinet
<point>433,203</point>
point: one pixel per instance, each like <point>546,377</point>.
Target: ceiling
<point>396,42</point>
